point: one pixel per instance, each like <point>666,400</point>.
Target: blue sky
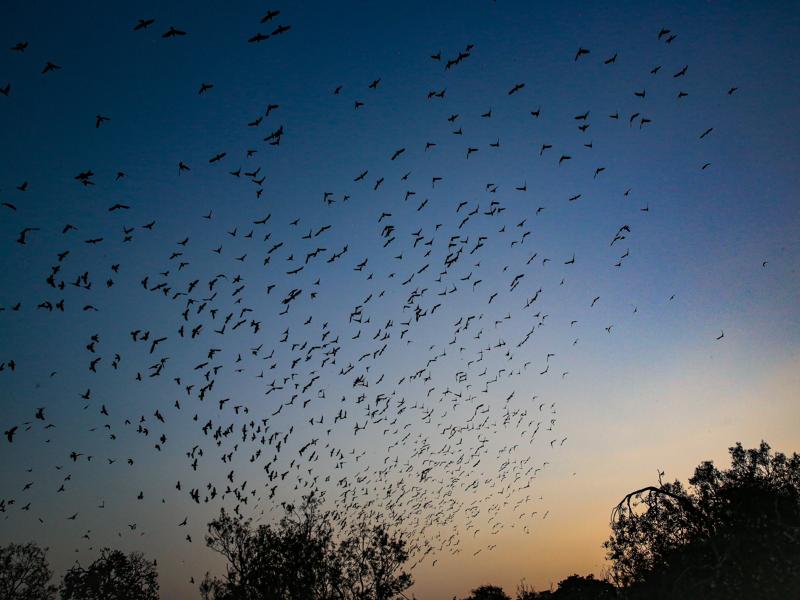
<point>658,390</point>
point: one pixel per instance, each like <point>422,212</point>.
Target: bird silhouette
<point>143,24</point>
<point>173,32</point>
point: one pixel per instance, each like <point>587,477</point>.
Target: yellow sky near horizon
<point>570,539</point>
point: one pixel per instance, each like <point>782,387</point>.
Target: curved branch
<point>685,503</point>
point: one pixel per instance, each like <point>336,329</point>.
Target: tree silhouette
<point>112,576</point>
<point>300,559</point>
<point>290,561</point>
<point>24,573</point>
<point>371,560</point>
<point>574,587</point>
<point>578,587</point>
<point>733,533</point>
<point>525,591</point>
<point>488,592</point>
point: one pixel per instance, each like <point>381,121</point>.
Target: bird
<point>49,67</point>
<point>143,24</point>
<point>173,32</point>
<point>270,14</point>
<point>23,235</point>
<point>581,52</point>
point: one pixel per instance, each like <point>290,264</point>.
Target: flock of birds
<point>362,408</point>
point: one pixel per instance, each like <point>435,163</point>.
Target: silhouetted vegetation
<point>488,592</point>
<point>574,587</point>
<point>732,533</point>
<point>24,573</point>
<point>300,557</point>
<point>113,575</point>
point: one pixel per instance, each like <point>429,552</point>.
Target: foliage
<point>289,561</point>
<point>112,576</point>
<point>574,587</point>
<point>25,573</point>
<point>488,592</point>
<point>732,533</point>
<point>299,558</point>
<point>371,559</point>
<point>577,587</point>
<point>525,591</point>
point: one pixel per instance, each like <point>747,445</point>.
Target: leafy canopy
<point>114,575</point>
<point>731,533</point>
<point>25,573</point>
<point>302,558</point>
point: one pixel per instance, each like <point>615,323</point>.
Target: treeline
<point>25,575</point>
<point>300,557</point>
<point>732,533</point>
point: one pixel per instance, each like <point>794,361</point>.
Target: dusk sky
<point>485,341</point>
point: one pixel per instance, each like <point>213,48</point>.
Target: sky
<point>633,382</point>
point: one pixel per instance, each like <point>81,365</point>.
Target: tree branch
<point>685,503</point>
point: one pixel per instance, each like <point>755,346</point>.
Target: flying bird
<point>173,32</point>
<point>271,14</point>
<point>143,24</point>
<point>581,52</point>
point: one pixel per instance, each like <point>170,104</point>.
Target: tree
<point>732,533</point>
<point>574,587</point>
<point>298,558</point>
<point>287,561</point>
<point>25,573</point>
<point>577,587</point>
<point>525,591</point>
<point>371,559</point>
<point>488,592</point>
<point>112,576</point>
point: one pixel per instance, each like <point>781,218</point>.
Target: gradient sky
<point>657,392</point>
